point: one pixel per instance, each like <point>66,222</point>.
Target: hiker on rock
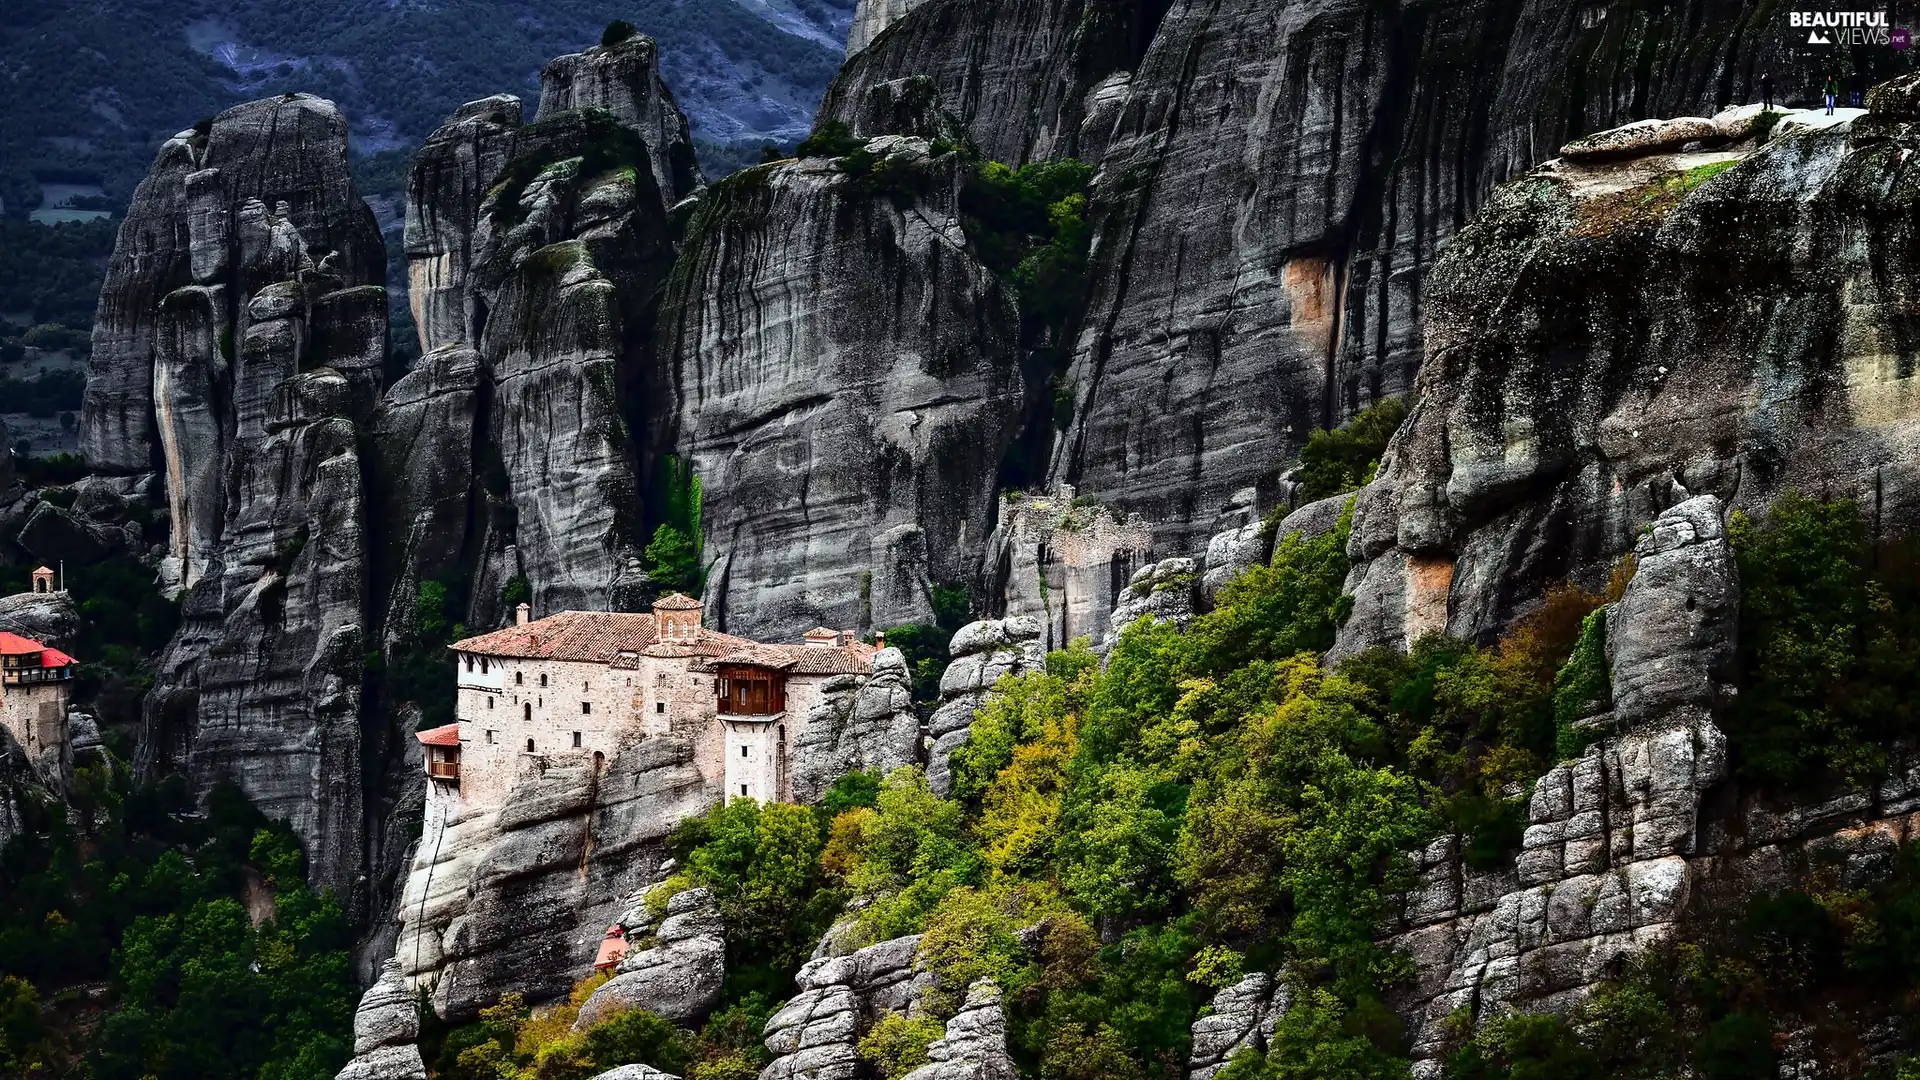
<point>1766,90</point>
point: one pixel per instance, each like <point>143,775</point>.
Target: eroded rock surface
<point>1243,1018</point>
<point>50,618</point>
<point>1063,562</point>
<point>1547,435</point>
<point>859,724</point>
<point>815,1034</point>
<point>678,975</point>
<point>386,1029</point>
<point>518,900</point>
<point>840,373</point>
<point>975,1044</point>
<point>982,652</point>
<point>1165,590</point>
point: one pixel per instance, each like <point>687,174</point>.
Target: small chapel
<point>36,686</point>
<point>582,685</point>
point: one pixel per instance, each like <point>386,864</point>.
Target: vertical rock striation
<point>219,209</point>
<point>1019,77</point>
<point>982,653</point>
<point>840,373</point>
<point>623,79</point>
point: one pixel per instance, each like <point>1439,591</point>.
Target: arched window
<point>527,712</point>
<point>529,746</point>
<point>543,678</point>
<point>519,678</point>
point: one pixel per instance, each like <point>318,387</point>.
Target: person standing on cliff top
<point>1833,90</point>
<point>1766,90</point>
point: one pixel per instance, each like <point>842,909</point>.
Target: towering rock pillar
<point>242,343</point>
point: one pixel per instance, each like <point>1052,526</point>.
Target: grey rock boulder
<point>50,618</point>
<point>1166,590</point>
<point>1672,638</point>
<point>863,724</point>
<point>1642,138</point>
<point>1243,1018</point>
<point>975,1044</point>
<point>982,653</point>
<point>679,977</point>
<point>635,1072</point>
<point>386,1029</point>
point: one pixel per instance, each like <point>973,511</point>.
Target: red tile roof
<point>821,632</point>
<point>447,735</point>
<point>597,637</point>
<point>677,602</point>
<point>15,645</point>
<point>854,659</point>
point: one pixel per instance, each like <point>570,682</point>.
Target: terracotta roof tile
<point>855,659</point>
<point>15,645</point>
<point>593,636</point>
<point>677,602</point>
<point>447,735</point>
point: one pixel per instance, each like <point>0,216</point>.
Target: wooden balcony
<point>444,770</point>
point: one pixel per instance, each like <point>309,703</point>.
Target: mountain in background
<point>89,90</point>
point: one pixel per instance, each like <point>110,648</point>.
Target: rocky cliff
<point>839,370</point>
<point>1573,390</point>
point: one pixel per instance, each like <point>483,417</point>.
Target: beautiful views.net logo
<point>1844,27</point>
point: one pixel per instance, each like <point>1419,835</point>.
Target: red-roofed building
<point>36,686</point>
<point>585,684</point>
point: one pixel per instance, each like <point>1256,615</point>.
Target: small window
<point>519,678</point>
<point>483,665</point>
<point>586,708</point>
<point>743,752</point>
<point>583,686</point>
<point>543,678</point>
<point>527,712</point>
<point>489,735</point>
<point>743,791</point>
<point>529,746</point>
<point>489,702</point>
<point>576,740</point>
<point>469,661</point>
<point>659,706</point>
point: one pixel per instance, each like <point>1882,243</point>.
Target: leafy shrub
<point>897,1045</point>
<point>1345,458</point>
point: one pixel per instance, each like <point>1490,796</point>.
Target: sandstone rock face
<point>840,373</point>
<point>1260,269</point>
<point>815,1034</point>
<point>975,1044</point>
<point>858,724</point>
<point>624,79</point>
<point>218,210</point>
<point>518,900</point>
<point>1605,868</point>
<point>1165,590</point>
<point>982,652</point>
<point>1243,1018</point>
<point>679,977</point>
<point>386,1028</point>
<point>1547,435</point>
<point>1063,563</point>
<point>49,618</point>
<point>1641,138</point>
<point>1672,638</point>
<point>1019,87</point>
<point>449,178</point>
<point>872,16</point>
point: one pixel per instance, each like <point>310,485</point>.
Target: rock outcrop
<point>449,179</point>
<point>839,372</point>
<point>974,1046</point>
<point>1021,88</point>
<point>1166,590</point>
<point>623,79</point>
<point>815,1033</point>
<point>678,974</point>
<point>220,210</point>
<point>981,653</point>
<point>1272,202</point>
<point>1570,395</point>
<point>386,1029</point>
<point>1607,865</point>
<point>49,618</point>
<point>239,348</point>
<point>859,724</point>
<point>1643,138</point>
<point>518,900</point>
<point>1243,1018</point>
